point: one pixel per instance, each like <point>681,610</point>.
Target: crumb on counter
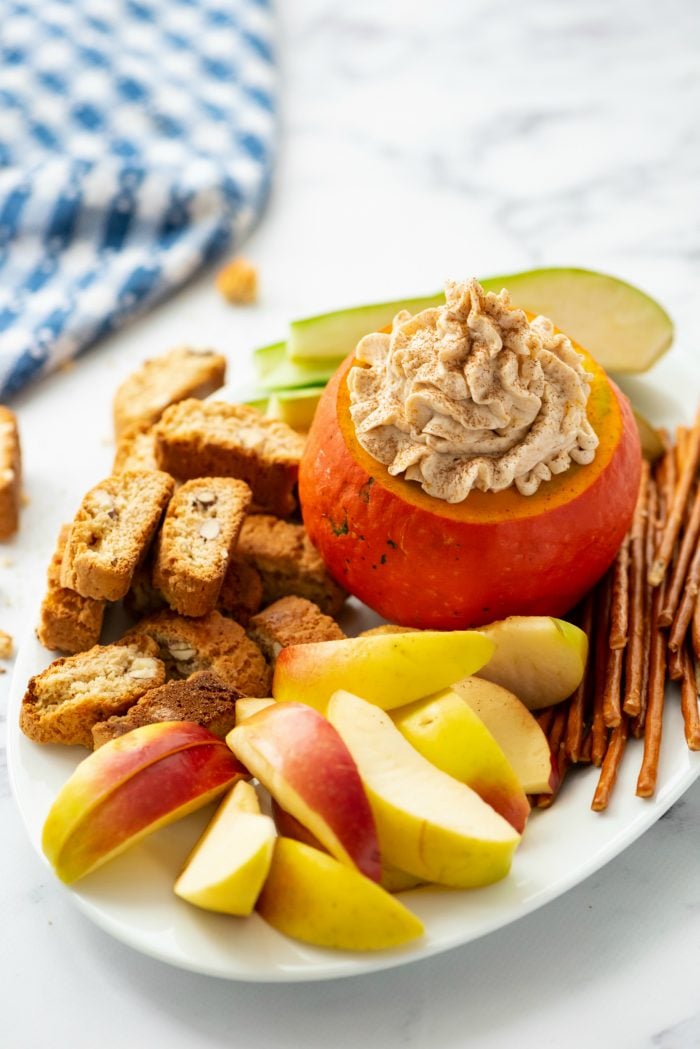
<point>6,645</point>
<point>238,282</point>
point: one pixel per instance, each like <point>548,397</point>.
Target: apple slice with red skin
<point>131,786</point>
<point>307,768</point>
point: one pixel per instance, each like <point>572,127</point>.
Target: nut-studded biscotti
<point>112,531</point>
<point>67,621</point>
<point>288,562</point>
<point>63,702</point>
<point>136,450</point>
<point>215,439</point>
<point>291,621</point>
<point>181,373</point>
<point>200,529</point>
<point>212,642</point>
<point>10,473</point>
<point>202,698</point>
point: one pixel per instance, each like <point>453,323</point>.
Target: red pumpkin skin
<point>420,562</point>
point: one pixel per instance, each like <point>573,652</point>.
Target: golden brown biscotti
<point>212,642</point>
<point>291,621</point>
<point>75,692</point>
<point>242,591</point>
<point>136,450</point>
<point>183,372</point>
<point>112,531</point>
<point>199,532</point>
<point>10,473</point>
<point>202,698</point>
<point>288,562</point>
<point>216,439</point>
<point>67,621</point>
<point>389,628</point>
<point>142,598</point>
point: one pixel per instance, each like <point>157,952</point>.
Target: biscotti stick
<point>67,621</point>
<point>183,372</point>
<point>111,532</point>
<point>216,439</point>
<point>10,473</point>
<point>199,532</point>
<point>291,621</point>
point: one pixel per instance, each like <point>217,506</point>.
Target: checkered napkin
<point>135,144</point>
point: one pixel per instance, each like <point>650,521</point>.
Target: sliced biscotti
<point>212,642</point>
<point>288,562</point>
<point>67,621</point>
<point>242,592</point>
<point>112,531</point>
<point>199,532</point>
<point>202,698</point>
<point>10,473</point>
<point>63,702</point>
<point>162,381</point>
<point>216,439</point>
<point>136,450</point>
<point>291,621</point>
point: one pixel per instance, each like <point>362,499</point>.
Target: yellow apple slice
<point>428,823</point>
<point>312,897</point>
<point>303,762</point>
<point>515,729</point>
<point>132,785</point>
<point>246,706</point>
<point>539,658</point>
<point>387,669</point>
<point>227,867</point>
<point>446,731</point>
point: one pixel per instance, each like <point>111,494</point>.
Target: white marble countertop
<point>419,142</point>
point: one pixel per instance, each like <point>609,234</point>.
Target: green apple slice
<point>621,326</point>
<point>337,334</point>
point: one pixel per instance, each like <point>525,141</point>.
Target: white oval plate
<point>132,897</point>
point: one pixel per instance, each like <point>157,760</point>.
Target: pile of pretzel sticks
<point>643,624</point>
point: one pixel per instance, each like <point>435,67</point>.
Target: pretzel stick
<point>635,656</point>
<point>686,608</point>
<point>544,719</point>
<point>578,702</point>
<point>674,513</point>
<point>599,732</point>
<point>619,608</point>
<point>637,725</point>
<point>653,728</point>
<point>611,763</point>
<point>680,569</point>
<point>689,701</point>
<point>612,712</point>
<point>585,752</point>
<point>695,633</point>
<point>556,739</point>
<point>675,663</point>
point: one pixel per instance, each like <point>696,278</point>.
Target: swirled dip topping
<point>472,395</point>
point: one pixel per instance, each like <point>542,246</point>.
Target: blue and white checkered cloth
<point>135,144</point>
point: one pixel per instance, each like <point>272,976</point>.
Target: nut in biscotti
<point>112,531</point>
<point>62,704</point>
<point>10,473</point>
<point>67,621</point>
<point>183,372</point>
<point>200,529</point>
<point>216,439</point>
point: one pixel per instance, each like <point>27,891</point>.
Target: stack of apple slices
<point>382,775</point>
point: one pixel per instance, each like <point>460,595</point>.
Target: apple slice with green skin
<point>389,670</point>
<point>300,758</point>
<point>621,326</point>
<point>446,731</point>
<point>130,787</point>
<point>310,896</point>
<point>539,658</point>
<point>296,408</point>
<point>429,824</point>
<point>246,706</point>
<point>227,868</point>
<point>515,729</point>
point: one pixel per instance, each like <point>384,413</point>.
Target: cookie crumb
<point>238,282</point>
<point>6,645</point>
